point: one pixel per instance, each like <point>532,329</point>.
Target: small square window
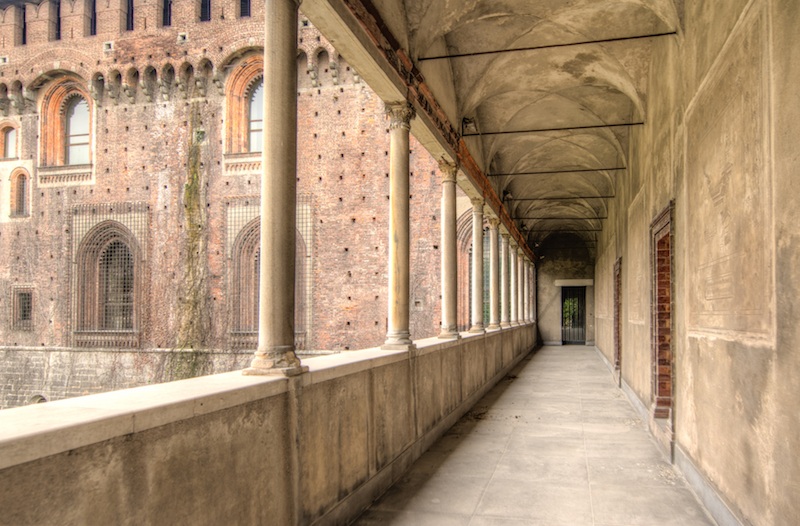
<point>23,309</point>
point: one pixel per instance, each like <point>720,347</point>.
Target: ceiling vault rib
<point>565,230</point>
<point>564,218</point>
<point>567,128</point>
<point>547,46</point>
<point>575,198</point>
<point>559,171</point>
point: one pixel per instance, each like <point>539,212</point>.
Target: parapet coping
<point>36,431</point>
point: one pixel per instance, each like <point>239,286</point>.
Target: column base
<point>447,335</point>
<point>493,327</point>
<point>476,329</point>
<point>514,324</point>
<point>281,361</point>
<point>505,325</point>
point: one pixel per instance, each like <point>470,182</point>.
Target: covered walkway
<point>555,442</point>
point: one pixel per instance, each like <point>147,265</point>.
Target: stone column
<point>399,336</point>
<point>504,285</point>
<point>275,353</point>
<point>449,252</point>
<point>514,287</point>
<point>477,266</point>
<point>494,275</point>
<point>527,297</point>
<point>520,285</point>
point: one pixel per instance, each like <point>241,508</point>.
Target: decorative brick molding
<point>244,163</point>
<point>66,175</point>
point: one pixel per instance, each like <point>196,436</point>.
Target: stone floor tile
<point>511,498</point>
<point>556,443</point>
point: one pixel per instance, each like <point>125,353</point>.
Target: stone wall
<point>720,130</point>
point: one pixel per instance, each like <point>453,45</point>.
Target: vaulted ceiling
<point>547,126</point>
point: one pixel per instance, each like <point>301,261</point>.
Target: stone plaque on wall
<point>729,232</point>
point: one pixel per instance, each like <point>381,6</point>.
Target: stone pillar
<point>520,285</point>
<point>399,336</point>
<point>275,353</point>
<point>514,287</point>
<point>449,252</point>
<point>504,285</point>
<point>494,275</point>
<point>527,297</point>
<point>477,266</point>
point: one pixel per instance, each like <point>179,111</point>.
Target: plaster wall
<point>720,140</point>
<point>233,449</point>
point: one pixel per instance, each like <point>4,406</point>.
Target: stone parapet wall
<point>233,449</point>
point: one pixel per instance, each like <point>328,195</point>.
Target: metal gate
<point>573,321</point>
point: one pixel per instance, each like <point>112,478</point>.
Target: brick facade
<point>167,166</point>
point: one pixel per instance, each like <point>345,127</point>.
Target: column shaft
<point>399,246</point>
<point>449,253</point>
<point>520,285</point>
<point>275,353</point>
<point>504,285</point>
<point>494,275</point>
<point>514,287</point>
<point>477,266</point>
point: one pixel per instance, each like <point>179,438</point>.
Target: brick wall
<point>141,140</point>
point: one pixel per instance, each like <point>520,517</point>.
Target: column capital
<point>494,222</point>
<point>506,236</point>
<point>476,203</point>
<point>400,114</point>
<point>449,171</point>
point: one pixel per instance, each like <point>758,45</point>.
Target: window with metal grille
<point>166,13</point>
<point>486,278</point>
<point>205,10</point>
<point>255,117</point>
<point>77,132</point>
<point>23,309</point>
<point>245,256</point>
<point>116,279</point>
<point>129,17</point>
<point>108,274</point>
<point>9,138</point>
<point>244,8</point>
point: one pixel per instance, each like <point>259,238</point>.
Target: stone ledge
<point>36,431</point>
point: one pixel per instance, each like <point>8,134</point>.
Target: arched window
<point>244,105</point>
<point>19,193</point>
<point>107,287</point>
<point>66,124</point>
<point>77,132</point>
<point>244,287</point>
<point>255,117</point>
<point>9,138</point>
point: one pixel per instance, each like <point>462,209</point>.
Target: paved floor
<point>554,443</point>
